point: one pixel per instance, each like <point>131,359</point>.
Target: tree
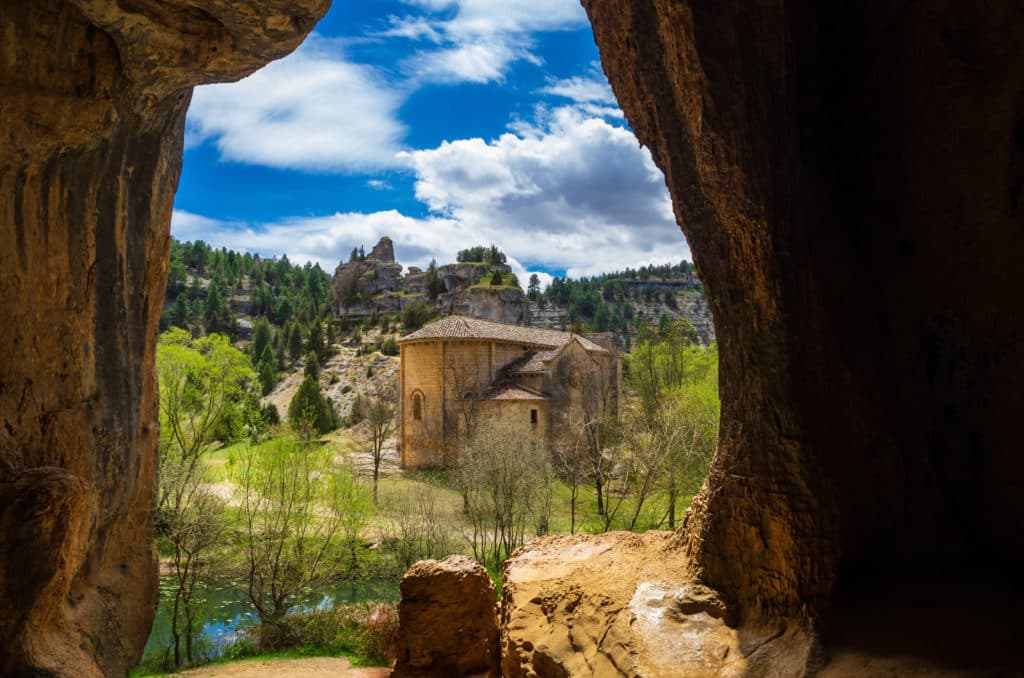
<point>533,287</point>
<point>301,514</point>
<point>496,278</point>
<point>260,339</point>
<point>505,477</point>
<point>379,422</point>
<point>294,341</point>
<point>315,340</point>
<point>266,370</point>
<point>199,380</point>
<point>312,367</point>
<point>309,411</point>
<point>416,314</point>
<point>432,283</point>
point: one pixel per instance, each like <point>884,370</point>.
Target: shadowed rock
<point>93,95</point>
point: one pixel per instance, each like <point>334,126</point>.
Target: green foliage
<point>312,366</point>
<point>432,284</point>
<point>309,411</point>
<point>416,314</point>
<point>480,254</point>
<point>533,287</point>
<point>260,339</point>
<point>389,347</point>
<point>496,278</point>
<point>266,370</point>
<point>302,515</point>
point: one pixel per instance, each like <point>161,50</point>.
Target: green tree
<point>260,339</point>
<point>199,379</point>
<point>310,412</point>
<point>267,370</point>
<point>432,283</point>
<point>312,366</point>
<point>199,382</point>
<point>301,515</point>
<point>496,278</point>
<point>315,340</point>
<point>294,341</point>
<point>416,314</point>
<point>533,287</point>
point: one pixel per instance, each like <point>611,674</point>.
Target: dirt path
<point>286,668</point>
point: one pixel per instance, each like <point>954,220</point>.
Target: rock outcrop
<point>374,284</point>
<point>857,257</point>
<point>624,604</point>
<point>93,95</point>
<point>447,621</point>
<point>497,304</point>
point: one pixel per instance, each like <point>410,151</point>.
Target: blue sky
<point>441,123</point>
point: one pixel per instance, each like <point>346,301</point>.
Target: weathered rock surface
<point>858,260</point>
<point>623,604</point>
<point>93,96</point>
<point>447,620</point>
<point>497,304</point>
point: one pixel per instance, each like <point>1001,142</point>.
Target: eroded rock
<point>623,604</point>
<point>93,95</point>
<point>447,620</point>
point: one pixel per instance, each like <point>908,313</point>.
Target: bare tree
<point>378,423</point>
<point>505,475</point>
<point>420,526</point>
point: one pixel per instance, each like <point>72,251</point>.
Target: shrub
<point>389,347</point>
<point>416,314</point>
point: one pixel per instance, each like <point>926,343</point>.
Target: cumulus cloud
<point>570,193</point>
<point>313,111</point>
<point>477,40</point>
<point>576,193</point>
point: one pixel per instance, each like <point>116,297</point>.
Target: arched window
<point>417,406</point>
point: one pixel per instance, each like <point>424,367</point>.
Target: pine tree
<point>260,339</point>
<point>315,340</point>
<point>533,288</point>
<point>266,370</point>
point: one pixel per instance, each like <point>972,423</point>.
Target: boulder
<point>447,620</point>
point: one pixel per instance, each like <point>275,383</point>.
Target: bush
<point>416,315</point>
<point>389,347</point>
<point>367,632</point>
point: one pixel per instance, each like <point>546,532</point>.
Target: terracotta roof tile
<point>459,327</point>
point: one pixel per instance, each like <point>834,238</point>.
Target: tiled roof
<point>511,392</point>
<point>459,327</point>
<point>532,363</point>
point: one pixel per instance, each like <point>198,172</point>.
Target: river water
<point>227,610</point>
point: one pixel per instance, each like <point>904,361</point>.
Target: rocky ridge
<point>374,284</point>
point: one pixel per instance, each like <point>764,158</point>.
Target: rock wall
<point>849,180</point>
<point>93,97</point>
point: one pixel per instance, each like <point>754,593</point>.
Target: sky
<point>440,123</point>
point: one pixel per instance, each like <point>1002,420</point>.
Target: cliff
<point>374,284</point>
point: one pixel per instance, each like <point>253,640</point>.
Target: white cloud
<point>575,193</point>
<point>313,110</point>
<point>480,39</point>
<point>570,192</point>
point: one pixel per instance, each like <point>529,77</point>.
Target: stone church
<point>459,371</point>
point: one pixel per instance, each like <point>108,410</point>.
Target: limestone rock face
<point>623,604</point>
<point>93,95</point>
<point>447,620</point>
<point>860,262</point>
<point>501,305</point>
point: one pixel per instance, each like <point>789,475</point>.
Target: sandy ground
<point>286,668</point>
